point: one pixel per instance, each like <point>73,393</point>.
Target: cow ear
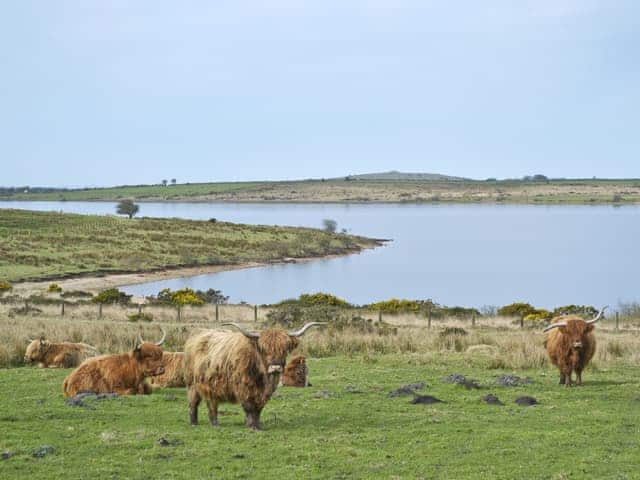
<point>589,327</point>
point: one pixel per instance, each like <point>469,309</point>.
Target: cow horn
<point>555,325</point>
<point>597,317</point>
<point>246,333</point>
<point>164,336</point>
<point>29,339</point>
<point>300,332</point>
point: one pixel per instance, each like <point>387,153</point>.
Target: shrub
<point>316,300</point>
<point>179,298</point>
<point>518,309</point>
<point>144,317</point>
<point>112,296</point>
<point>459,312</point>
<point>448,331</point>
<point>395,305</point>
<point>539,318</point>
<point>76,294</point>
<point>54,288</point>
<point>329,225</point>
<point>5,286</point>
<point>580,310</point>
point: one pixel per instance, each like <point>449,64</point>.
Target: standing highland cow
<point>571,344</point>
<point>173,376</point>
<point>57,355</point>
<point>296,373</point>
<point>122,373</point>
<point>236,367</point>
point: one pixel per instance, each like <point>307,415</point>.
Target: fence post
<point>473,320</point>
<point>26,305</point>
<point>139,309</point>
<point>62,308</point>
<point>521,322</point>
<point>380,315</point>
<point>217,313</point>
<point>179,313</point>
<point>429,319</point>
<point>617,321</point>
<point>100,310</point>
<point>255,313</point>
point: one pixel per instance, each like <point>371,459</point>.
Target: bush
<point>518,309</point>
<point>458,312</point>
<point>144,317</point>
<point>178,298</point>
<point>5,286</point>
<point>76,294</point>
<point>316,300</point>
<point>54,288</point>
<point>584,311</point>
<point>539,318</point>
<point>112,296</point>
<point>448,331</point>
<point>395,305</point>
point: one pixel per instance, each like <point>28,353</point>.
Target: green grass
<point>563,191</point>
<point>39,245</point>
<point>588,432</point>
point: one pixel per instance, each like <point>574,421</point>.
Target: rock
<point>42,451</point>
<point>170,397</point>
<point>491,399</point>
<point>408,389</point>
<point>425,400</point>
<point>512,381</point>
<point>82,397</point>
<point>352,389</point>
<point>163,442</point>
<point>461,380</point>
<point>526,401</point>
<point>6,455</point>
<point>323,394</point>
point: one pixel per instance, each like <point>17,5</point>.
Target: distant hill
<point>394,175</point>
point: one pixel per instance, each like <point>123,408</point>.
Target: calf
<point>48,354</point>
<point>173,376</point>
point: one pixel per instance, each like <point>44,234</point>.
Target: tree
<point>173,181</point>
<point>164,182</point>
<point>329,225</point>
<point>127,207</point>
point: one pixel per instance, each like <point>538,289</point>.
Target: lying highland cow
<point>571,344</point>
<point>123,373</point>
<point>236,367</point>
<point>173,376</point>
<point>57,355</point>
<point>296,373</point>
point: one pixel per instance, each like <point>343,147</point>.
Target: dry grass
<point>494,343</point>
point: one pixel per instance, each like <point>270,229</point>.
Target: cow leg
<point>567,379</point>
<point>194,401</point>
<point>252,416</point>
<point>561,378</point>
<point>579,378</point>
<point>212,406</point>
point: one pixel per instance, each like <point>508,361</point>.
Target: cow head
<point>275,344</point>
<point>575,329</point>
<point>36,350</point>
<point>149,355</point>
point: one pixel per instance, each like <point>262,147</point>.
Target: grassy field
<point>365,190</point>
<point>345,426</point>
<point>37,245</point>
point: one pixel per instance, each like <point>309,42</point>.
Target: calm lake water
<point>471,255</point>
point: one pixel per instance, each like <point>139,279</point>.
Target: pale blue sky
<point>113,92</point>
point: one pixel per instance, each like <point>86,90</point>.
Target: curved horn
<point>555,325</point>
<point>246,333</point>
<point>164,336</point>
<point>300,332</point>
<point>599,316</point>
<point>139,342</point>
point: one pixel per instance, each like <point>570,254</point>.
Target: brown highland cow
<point>58,355</point>
<point>236,367</point>
<point>123,373</point>
<point>173,376</point>
<point>296,373</point>
<point>571,344</point>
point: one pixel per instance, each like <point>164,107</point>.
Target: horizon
<point>117,93</point>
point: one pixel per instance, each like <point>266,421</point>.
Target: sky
<point>96,93</point>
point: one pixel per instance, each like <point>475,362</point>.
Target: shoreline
<point>95,283</point>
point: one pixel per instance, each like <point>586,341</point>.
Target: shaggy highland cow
<point>123,373</point>
<point>236,367</point>
<point>571,344</point>
<point>58,355</point>
<point>296,373</point>
<point>173,376</point>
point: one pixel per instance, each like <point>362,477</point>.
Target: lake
<point>470,255</point>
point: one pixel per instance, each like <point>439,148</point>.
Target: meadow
<point>41,245</point>
<point>561,191</point>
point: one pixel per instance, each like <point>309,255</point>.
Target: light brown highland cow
<point>236,367</point>
<point>571,345</point>
<point>296,373</point>
<point>123,373</point>
<point>173,376</point>
<point>48,354</point>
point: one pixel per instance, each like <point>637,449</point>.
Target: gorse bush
<point>395,305</point>
<point>54,288</point>
<point>585,311</point>
<point>143,317</point>
<point>539,318</point>
<point>112,295</point>
<point>178,298</point>
<point>5,286</point>
<point>518,309</point>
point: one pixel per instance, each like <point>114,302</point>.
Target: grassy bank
<point>345,426</point>
<point>39,245</point>
<point>414,191</point>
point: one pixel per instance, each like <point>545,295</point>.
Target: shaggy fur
<point>229,367</point>
<point>123,374</point>
<point>173,376</point>
<point>571,348</point>
<point>296,373</point>
<point>58,355</point>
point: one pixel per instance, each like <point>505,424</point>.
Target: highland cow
<point>123,373</point>
<point>296,373</point>
<point>236,367</point>
<point>571,344</point>
<point>173,376</point>
<point>58,355</point>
